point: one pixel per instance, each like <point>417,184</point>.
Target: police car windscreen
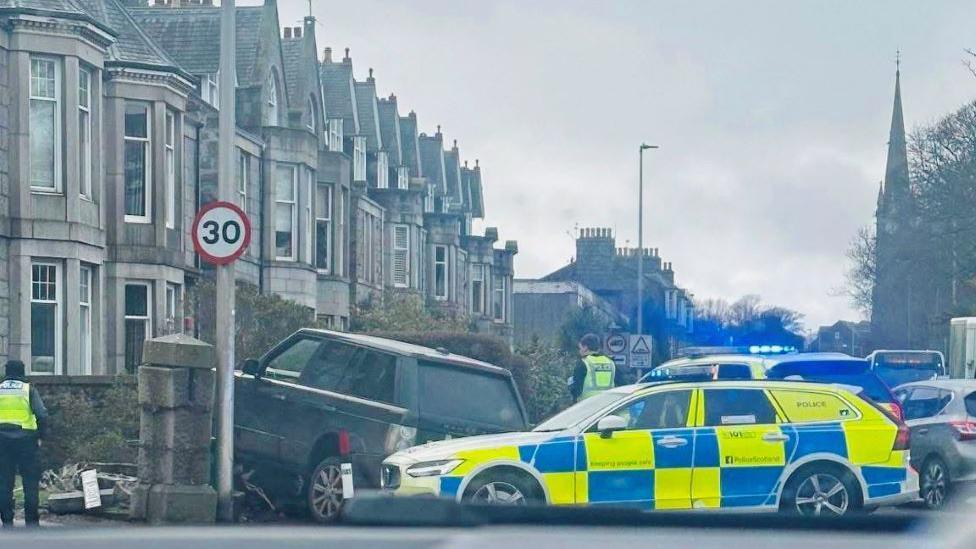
<point>898,368</point>
<point>580,411</point>
<point>845,372</point>
<point>488,399</point>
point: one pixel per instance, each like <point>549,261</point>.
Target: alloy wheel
<point>822,494</point>
<point>499,493</point>
<point>934,485</point>
<point>327,491</point>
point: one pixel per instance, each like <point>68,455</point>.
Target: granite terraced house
<point>108,147</point>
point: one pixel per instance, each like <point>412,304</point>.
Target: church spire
<point>896,170</point>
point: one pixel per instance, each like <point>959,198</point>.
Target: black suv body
<point>320,399</point>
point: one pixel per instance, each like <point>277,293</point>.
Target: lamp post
<point>640,241</point>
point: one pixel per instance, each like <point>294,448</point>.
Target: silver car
<point>941,414</point>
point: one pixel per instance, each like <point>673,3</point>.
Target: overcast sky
<point>772,117</point>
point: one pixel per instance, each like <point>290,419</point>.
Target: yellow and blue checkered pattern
<point>726,466</point>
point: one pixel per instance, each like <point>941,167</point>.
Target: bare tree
<point>861,274</point>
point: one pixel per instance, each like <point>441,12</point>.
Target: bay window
<point>174,320</point>
<point>323,228</point>
<point>85,324</point>
<point>401,256</point>
<point>45,126</point>
<point>169,143</point>
<point>46,318</point>
<point>138,160</point>
<point>138,321</point>
<point>286,212</point>
<point>499,311</point>
<point>84,132</point>
<point>359,158</point>
<point>441,274</point>
<point>479,288</point>
<point>307,233</point>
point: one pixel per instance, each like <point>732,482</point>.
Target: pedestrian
<point>23,423</point>
<point>595,372</point>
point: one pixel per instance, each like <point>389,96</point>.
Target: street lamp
<point>640,242</point>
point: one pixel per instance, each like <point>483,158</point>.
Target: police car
<point>812,449</point>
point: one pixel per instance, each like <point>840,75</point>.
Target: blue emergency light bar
<point>737,350</point>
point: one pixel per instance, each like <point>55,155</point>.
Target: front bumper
<point>396,481</point>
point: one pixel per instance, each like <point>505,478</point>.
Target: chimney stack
<point>347,59</point>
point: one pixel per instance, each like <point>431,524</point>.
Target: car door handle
<point>775,437</point>
<point>672,442</point>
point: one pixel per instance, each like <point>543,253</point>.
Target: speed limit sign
<point>221,232</point>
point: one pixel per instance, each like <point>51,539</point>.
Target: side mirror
<point>607,425</point>
<point>251,367</point>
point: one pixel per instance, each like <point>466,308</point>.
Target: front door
<point>740,450</point>
<point>647,465</point>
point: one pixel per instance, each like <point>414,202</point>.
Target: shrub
<point>402,312</point>
<point>549,368</point>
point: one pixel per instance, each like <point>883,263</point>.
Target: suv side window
<point>737,407</point>
<point>663,410</point>
<point>811,406</point>
<point>374,378</point>
<point>289,364</point>
<point>330,368</point>
<point>926,402</point>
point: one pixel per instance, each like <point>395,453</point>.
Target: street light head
<point>645,146</point>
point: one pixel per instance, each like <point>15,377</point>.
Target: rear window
<point>849,372</point>
<point>970,401</point>
<point>488,399</point>
<point>897,368</point>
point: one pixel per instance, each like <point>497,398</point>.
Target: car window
<point>664,410</point>
<point>488,398</point>
<point>970,401</point>
<point>374,377</point>
<point>734,371</point>
<point>737,407</point>
<point>289,364</point>
<point>926,402</point>
<point>901,395</point>
<point>811,406</point>
<point>856,373</point>
<point>331,368</point>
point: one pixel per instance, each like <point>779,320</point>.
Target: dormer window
<point>382,171</point>
<point>335,134</point>
<point>210,89</point>
<point>310,115</point>
<point>429,200</point>
<point>403,178</point>
<point>272,100</point>
<point>359,158</point>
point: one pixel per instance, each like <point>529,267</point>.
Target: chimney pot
<point>475,162</point>
<point>347,55</point>
<point>438,129</point>
<point>371,73</point>
<point>327,55</point>
<point>455,143</point>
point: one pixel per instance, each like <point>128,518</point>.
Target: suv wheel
<point>324,495</point>
<point>502,488</point>
<point>934,484</point>
<point>821,491</point>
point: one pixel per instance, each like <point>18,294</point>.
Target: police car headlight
<point>433,468</point>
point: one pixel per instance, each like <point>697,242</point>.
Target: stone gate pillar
<point>176,394</point>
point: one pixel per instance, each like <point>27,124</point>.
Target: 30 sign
<point>221,232</point>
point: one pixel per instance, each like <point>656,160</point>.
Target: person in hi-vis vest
<point>595,371</point>
<point>23,422</point>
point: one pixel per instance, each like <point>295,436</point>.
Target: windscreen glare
<point>899,368</point>
<point>580,411</point>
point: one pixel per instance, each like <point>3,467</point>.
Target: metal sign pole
<point>225,302</point>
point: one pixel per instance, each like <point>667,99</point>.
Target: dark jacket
<point>40,412</point>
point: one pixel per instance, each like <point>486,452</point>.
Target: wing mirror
<point>607,425</point>
<point>252,367</point>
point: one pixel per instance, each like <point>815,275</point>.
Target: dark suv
<point>320,399</point>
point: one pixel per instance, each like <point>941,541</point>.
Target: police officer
<point>595,372</point>
<point>23,421</point>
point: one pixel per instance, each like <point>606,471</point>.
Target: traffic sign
<point>640,351</point>
<point>221,232</point>
<point>616,344</point>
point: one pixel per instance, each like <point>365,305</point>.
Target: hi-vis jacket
<point>15,406</point>
<point>600,372</point>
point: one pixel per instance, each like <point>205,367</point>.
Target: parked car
<point>320,399</point>
<point>900,367</point>
<point>941,414</point>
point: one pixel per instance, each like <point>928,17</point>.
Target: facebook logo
<point>729,460</point>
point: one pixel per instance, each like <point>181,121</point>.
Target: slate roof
<point>471,179</point>
<point>452,171</point>
<point>191,35</point>
<point>409,146</point>
<point>340,94</point>
<point>368,115</point>
<point>432,161</point>
<point>390,129</point>
<point>65,9</point>
<point>292,50</point>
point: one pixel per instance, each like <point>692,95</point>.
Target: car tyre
<point>821,490</point>
<point>934,486</point>
<point>503,488</point>
<point>324,493</point>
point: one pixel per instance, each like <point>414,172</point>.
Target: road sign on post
<point>617,347</point>
<point>221,233</point>
<point>640,351</point>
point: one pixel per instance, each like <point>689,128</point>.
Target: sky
<point>772,119</point>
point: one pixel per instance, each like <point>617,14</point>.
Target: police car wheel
<point>820,491</point>
<point>502,488</point>
<point>324,496</point>
<point>934,484</point>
